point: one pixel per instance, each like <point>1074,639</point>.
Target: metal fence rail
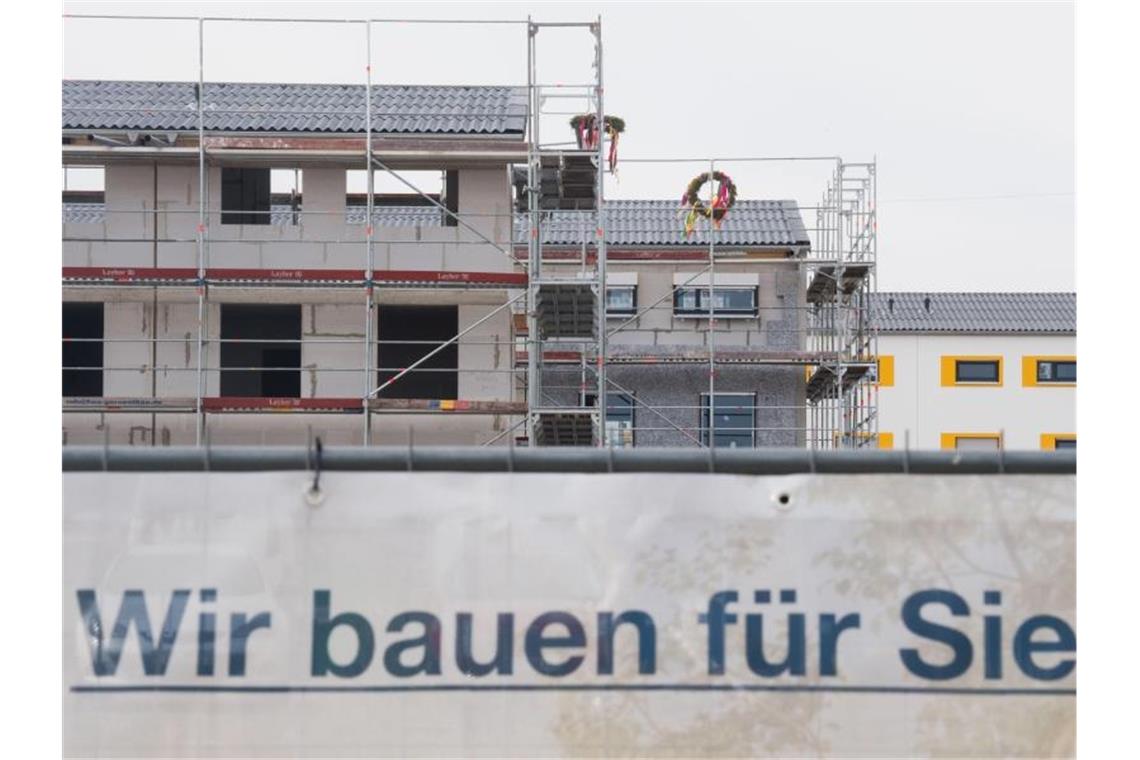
<point>594,460</point>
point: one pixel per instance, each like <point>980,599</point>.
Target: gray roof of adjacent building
<point>975,313</point>
<point>302,108</point>
<point>653,223</point>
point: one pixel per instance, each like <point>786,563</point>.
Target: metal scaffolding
<point>560,379</point>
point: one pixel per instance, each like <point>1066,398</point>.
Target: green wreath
<point>613,124</point>
<point>723,200</point>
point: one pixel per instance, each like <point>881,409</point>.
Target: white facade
<point>920,404</point>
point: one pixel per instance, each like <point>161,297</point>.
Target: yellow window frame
<point>1029,371</point>
<point>885,371</point>
<point>1049,440</point>
<point>950,440</point>
<point>949,375</point>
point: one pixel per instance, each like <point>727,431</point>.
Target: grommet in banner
<point>313,494</point>
<point>783,501</point>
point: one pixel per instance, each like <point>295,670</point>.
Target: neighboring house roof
<point>908,312</point>
<point>661,223</point>
<point>75,212</point>
<point>83,213</point>
<point>333,108</point>
<point>397,216</point>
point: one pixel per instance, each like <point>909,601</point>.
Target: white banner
<point>450,614</point>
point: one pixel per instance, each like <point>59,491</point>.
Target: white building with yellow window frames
<point>977,370</point>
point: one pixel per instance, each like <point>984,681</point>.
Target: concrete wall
<point>917,402</point>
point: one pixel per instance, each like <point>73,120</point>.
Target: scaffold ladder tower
<point>566,312</point>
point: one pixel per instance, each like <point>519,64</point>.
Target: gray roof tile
<point>907,312</point>
<point>337,108</point>
<point>397,216</point>
<point>661,223</point>
<point>75,212</point>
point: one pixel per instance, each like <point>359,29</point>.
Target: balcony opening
<point>285,196</point>
<point>84,197</point>
<point>82,347</point>
<point>406,334</point>
<point>268,365</point>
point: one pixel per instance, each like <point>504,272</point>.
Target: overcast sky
<point>968,107</point>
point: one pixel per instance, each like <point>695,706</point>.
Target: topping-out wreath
<point>723,200</point>
<point>586,133</point>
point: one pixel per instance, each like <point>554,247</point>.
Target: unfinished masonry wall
<point>677,388</point>
<point>333,320</point>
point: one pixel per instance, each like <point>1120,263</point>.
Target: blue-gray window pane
<point>1056,372</point>
<point>621,299</point>
<point>976,372</point>
<point>1062,444</point>
<point>725,300</point>
<point>734,421</point>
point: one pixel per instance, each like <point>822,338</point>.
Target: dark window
<point>619,418</point>
<point>406,334</point>
<point>976,372</point>
<point>1056,372</point>
<point>245,196</point>
<point>1063,444</point>
<point>621,300</point>
<point>451,197</point>
<point>269,368</point>
<point>82,347</point>
<point>728,301</point>
<point>734,421</point>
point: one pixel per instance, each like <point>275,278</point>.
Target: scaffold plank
<point>241,404</point>
<point>186,276</point>
<point>491,279</point>
<point>309,276</point>
<point>131,275</point>
<point>454,406</point>
<point>757,356</point>
<point>128,404</point>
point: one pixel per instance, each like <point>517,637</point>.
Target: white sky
<point>969,108</point>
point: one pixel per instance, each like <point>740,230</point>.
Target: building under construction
<point>229,285</point>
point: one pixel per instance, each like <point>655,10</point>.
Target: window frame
<point>949,441</point>
<point>1049,440</point>
<point>706,409</point>
<point>588,399</point>
<point>885,371</point>
<point>619,313</point>
<point>1030,371</point>
<point>949,371</point>
<point>702,313</point>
